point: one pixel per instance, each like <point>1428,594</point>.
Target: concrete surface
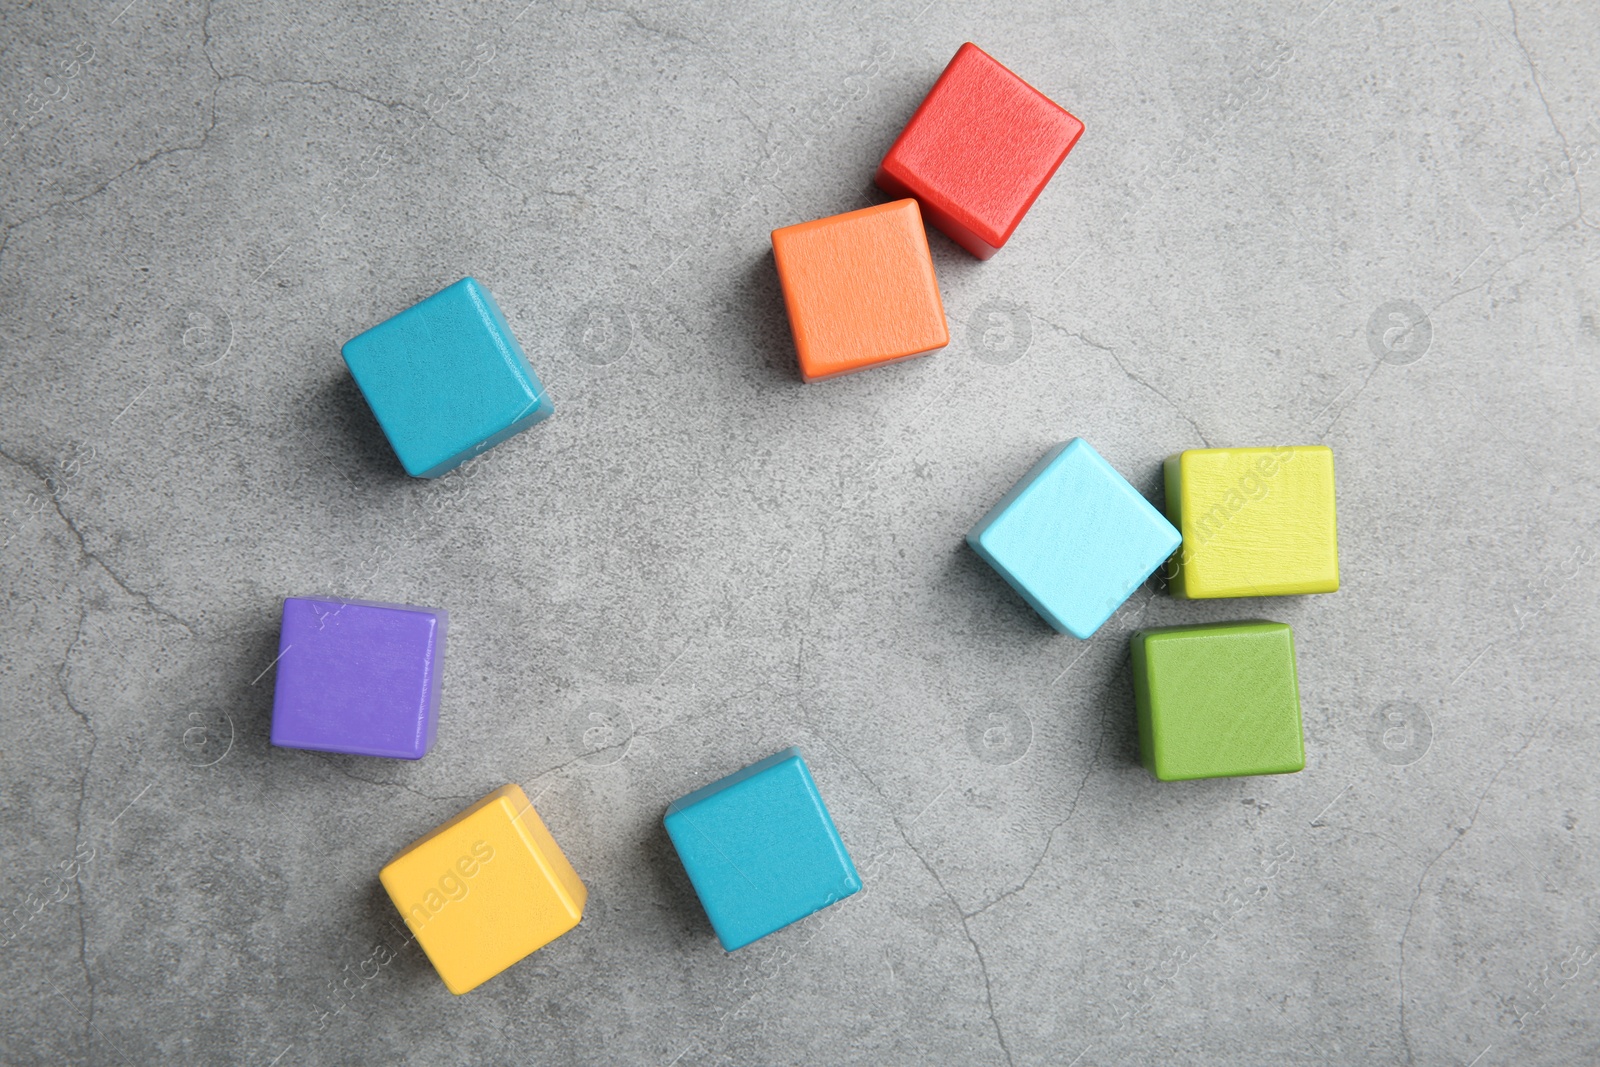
<point>700,560</point>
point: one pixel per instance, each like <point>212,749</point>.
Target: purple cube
<point>358,677</point>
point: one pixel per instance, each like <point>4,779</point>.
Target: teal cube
<point>760,849</point>
<point>446,379</point>
<point>1074,538</point>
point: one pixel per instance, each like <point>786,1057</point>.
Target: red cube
<point>979,151</point>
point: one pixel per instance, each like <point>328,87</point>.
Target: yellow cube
<point>485,889</point>
<point>1255,522</point>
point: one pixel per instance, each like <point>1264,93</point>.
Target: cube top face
<point>860,289</point>
<point>446,379</point>
<point>1074,538</point>
<point>1255,521</point>
<point>761,849</point>
<point>979,151</point>
<point>358,677</point>
<point>485,889</point>
<point>1218,700</point>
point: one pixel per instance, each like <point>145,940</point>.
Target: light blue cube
<point>446,379</point>
<point>1074,538</point>
<point>760,849</point>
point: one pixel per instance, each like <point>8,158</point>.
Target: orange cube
<point>860,289</point>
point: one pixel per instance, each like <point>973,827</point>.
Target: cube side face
<point>1256,522</point>
<point>1220,700</point>
<point>996,549</point>
<point>1141,702</point>
<point>446,379</point>
<point>1009,558</point>
<point>359,678</point>
<point>978,151</point>
<point>740,775</point>
<point>477,894</point>
<point>860,289</point>
<point>762,852</point>
<point>895,179</point>
<point>1172,484</point>
<point>543,844</point>
<point>1075,539</point>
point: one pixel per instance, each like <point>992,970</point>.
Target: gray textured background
<point>700,560</point>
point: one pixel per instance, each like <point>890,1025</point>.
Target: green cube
<point>1218,700</point>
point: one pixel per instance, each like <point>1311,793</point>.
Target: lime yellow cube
<point>485,889</point>
<point>1255,522</point>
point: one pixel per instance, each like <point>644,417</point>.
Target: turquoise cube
<point>760,849</point>
<point>1074,538</point>
<point>446,379</point>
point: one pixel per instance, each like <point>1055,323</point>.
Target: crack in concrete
<point>1538,87</point>
<point>1483,285</point>
<point>328,760</point>
<point>1416,896</point>
<point>205,50</point>
<point>693,716</point>
<point>98,189</point>
<point>139,164</point>
<point>654,31</point>
<point>205,135</point>
<point>1337,415</point>
<point>430,117</point>
<point>63,683</point>
<point>1130,375</point>
<point>1504,265</point>
<point>966,930</point>
<point>706,50</point>
<point>983,964</point>
<point>1094,762</point>
<point>323,83</point>
<point>86,552</point>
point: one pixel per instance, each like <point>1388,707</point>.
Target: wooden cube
<point>446,379</point>
<point>1073,538</point>
<point>979,151</point>
<point>1218,700</point>
<point>860,289</point>
<point>760,849</point>
<point>358,677</point>
<point>1255,522</point>
<point>485,889</point>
